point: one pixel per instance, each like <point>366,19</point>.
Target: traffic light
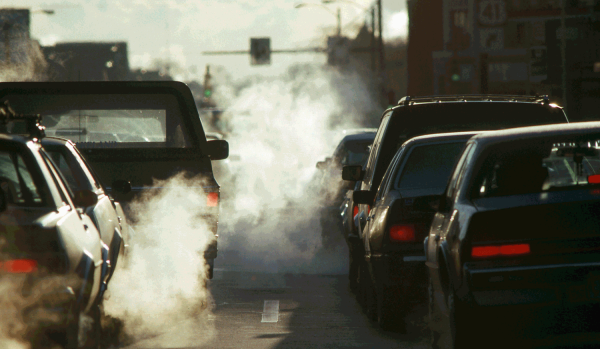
<point>260,51</point>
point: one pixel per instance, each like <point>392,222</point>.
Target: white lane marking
<point>270,311</point>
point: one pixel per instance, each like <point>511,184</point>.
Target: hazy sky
<point>189,27</point>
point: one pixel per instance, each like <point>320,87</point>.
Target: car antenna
<point>32,121</point>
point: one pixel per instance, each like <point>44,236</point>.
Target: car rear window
<point>16,180</point>
<point>109,120</point>
<point>540,167</point>
<point>355,152</point>
<point>429,166</point>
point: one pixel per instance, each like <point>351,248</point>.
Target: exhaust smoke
<point>164,285</point>
<point>280,127</point>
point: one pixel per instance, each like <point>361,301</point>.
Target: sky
<point>181,30</point>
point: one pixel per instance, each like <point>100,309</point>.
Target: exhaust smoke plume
<point>280,128</point>
<point>163,286</point>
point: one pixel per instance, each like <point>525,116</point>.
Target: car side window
<point>63,166</point>
<point>459,171</point>
<point>56,177</point>
<point>87,169</point>
<point>375,148</point>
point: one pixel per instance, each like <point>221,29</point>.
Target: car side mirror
<point>363,197</point>
<point>85,198</point>
<point>217,149</point>
<point>352,173</point>
<point>122,186</point>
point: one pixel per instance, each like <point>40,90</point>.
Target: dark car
<point>516,238</point>
<point>44,235</point>
<point>108,216</point>
<point>394,273</point>
<point>353,149</point>
<point>161,116</point>
<point>416,116</point>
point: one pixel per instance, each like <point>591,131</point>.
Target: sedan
<point>44,234</point>
<point>108,216</point>
<point>516,236</point>
<point>392,271</point>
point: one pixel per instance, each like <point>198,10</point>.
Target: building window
<point>460,39</point>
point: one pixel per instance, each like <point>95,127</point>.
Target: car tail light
<point>594,179</point>
<point>402,233</point>
<point>212,199</point>
<point>19,266</point>
<point>500,250</point>
<point>355,211</point>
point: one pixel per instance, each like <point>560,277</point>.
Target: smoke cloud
<point>164,284</point>
<point>280,127</point>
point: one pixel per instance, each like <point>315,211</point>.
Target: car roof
<point>5,137</point>
<point>54,141</point>
<point>436,137</point>
<point>366,136</point>
<point>554,130</point>
<point>476,98</point>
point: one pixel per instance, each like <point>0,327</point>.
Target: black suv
<point>415,116</point>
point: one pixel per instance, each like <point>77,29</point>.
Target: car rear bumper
<point>562,285</point>
<point>405,271</point>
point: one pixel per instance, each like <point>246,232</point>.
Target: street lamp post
<point>337,14</point>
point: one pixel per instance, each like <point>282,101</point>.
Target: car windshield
<point>429,166</point>
<point>551,167</point>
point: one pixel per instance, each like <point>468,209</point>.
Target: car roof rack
<point>408,100</point>
<point>32,121</point>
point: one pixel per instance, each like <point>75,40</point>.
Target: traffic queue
<point>481,206</point>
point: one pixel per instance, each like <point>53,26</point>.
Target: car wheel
<point>353,273</point>
<point>366,294</point>
<point>83,332</point>
<point>390,314</point>
<point>433,323</point>
<point>459,319</point>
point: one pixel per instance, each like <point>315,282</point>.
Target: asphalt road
<point>259,310</point>
<point>294,299</point>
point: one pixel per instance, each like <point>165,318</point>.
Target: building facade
<point>506,47</point>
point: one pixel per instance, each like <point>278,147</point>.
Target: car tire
<point>459,321</point>
<point>82,336</point>
<point>433,322</point>
<point>390,311</point>
<point>366,294</point>
<point>353,267</point>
